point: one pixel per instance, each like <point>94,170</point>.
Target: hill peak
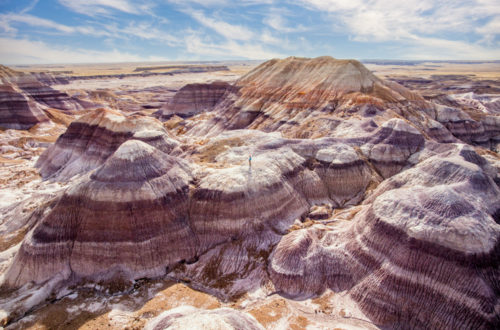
<point>323,76</point>
<point>6,72</point>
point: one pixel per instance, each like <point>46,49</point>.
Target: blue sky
<point>82,31</point>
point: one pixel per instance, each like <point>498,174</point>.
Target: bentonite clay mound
<point>187,317</point>
<point>386,205</point>
<point>298,95</point>
<point>193,99</point>
<point>209,207</point>
<point>46,95</point>
<point>24,97</point>
<point>6,72</point>
<point>92,138</point>
<point>95,231</point>
<point>310,98</point>
<point>17,110</point>
<point>427,243</point>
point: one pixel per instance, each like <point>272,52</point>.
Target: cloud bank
<point>127,30</point>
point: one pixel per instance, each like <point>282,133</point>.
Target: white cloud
<point>458,29</point>
<point>30,6</point>
<point>6,27</point>
<point>448,26</point>
<point>228,49</point>
<point>277,22</point>
<point>387,20</point>
<point>205,3</point>
<point>100,7</point>
<point>333,5</point>
<point>230,31</point>
<point>428,48</point>
<point>36,21</point>
<point>268,38</point>
<point>219,3</point>
<point>92,31</point>
<point>490,30</point>
<point>143,30</point>
<point>14,51</point>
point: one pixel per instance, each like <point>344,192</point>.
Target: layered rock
<point>143,199</point>
<point>262,197</point>
<point>310,98</point>
<point>391,146</point>
<point>187,317</point>
<point>46,95</point>
<point>255,203</point>
<point>48,78</point>
<point>344,173</point>
<point>127,219</point>
<point>6,72</point>
<point>17,110</point>
<point>438,132</point>
<point>23,98</point>
<point>193,99</point>
<point>298,94</point>
<point>362,187</point>
<point>427,245</point>
<point>483,130</point>
<point>92,138</point>
<point>470,117</point>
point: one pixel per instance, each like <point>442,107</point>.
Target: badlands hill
<point>298,95</point>
<point>356,186</point>
<point>6,72</point>
<point>193,99</point>
<point>25,98</point>
<point>311,98</point>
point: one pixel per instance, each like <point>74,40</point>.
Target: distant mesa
<point>63,77</point>
<point>183,68</point>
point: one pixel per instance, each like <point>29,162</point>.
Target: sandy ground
<point>82,70</point>
<point>172,81</point>
<point>427,69</point>
<point>87,309</point>
<point>130,94</point>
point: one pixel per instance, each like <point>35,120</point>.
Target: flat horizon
<point>379,61</point>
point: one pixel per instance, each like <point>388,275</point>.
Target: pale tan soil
<point>82,70</point>
<point>270,312</point>
<point>476,70</point>
<point>479,70</point>
<point>16,164</point>
<point>91,310</point>
<point>133,94</point>
<point>133,310</point>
